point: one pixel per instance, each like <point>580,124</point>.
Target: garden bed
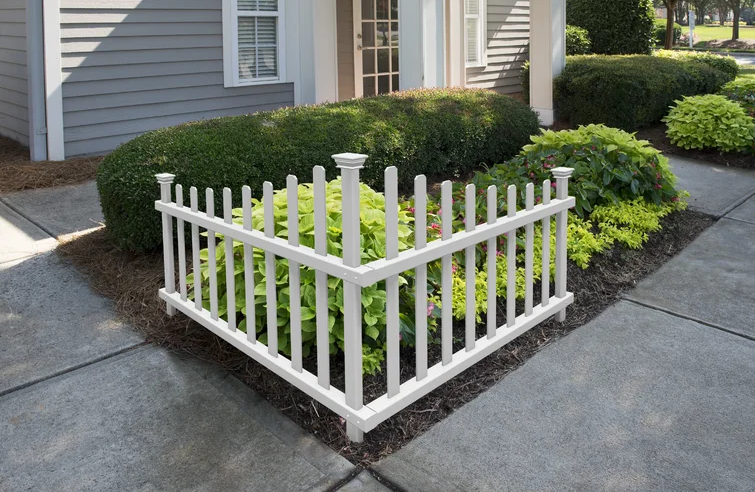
<point>656,135</point>
<point>132,281</point>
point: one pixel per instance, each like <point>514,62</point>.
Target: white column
<point>434,40</point>
<point>53,80</point>
<point>317,42</point>
<point>410,42</point>
<point>547,54</point>
<point>456,61</point>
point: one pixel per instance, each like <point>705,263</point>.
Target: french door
<point>376,47</point>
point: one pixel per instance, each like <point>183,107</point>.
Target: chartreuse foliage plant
<point>710,122</point>
<point>743,92</point>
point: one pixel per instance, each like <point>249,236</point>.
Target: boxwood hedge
<point>433,132</point>
<point>629,92</point>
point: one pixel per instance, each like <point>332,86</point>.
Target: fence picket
<point>196,261</point>
<point>511,261</point>
<point>321,280</point>
<point>492,257</point>
<point>529,253</point>
<point>230,265</point>
<point>181,245</point>
<point>545,277</point>
<point>294,272</point>
<point>391,283</point>
<point>212,266</point>
<point>470,220</point>
<point>251,319</point>
<point>270,277</point>
<point>447,275</point>
<point>421,307</point>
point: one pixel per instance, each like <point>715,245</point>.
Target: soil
<point>18,173</point>
<point>656,135</point>
<point>132,281</point>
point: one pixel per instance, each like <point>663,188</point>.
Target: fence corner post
<point>562,175</point>
<point>350,164</point>
<point>166,180</point>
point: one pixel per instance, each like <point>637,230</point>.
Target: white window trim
<point>231,45</point>
<point>482,33</point>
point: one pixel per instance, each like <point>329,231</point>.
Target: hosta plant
<point>710,122</point>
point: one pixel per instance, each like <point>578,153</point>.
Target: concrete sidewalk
<point>86,404</point>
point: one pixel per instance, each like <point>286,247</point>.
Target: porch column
<point>434,40</point>
<point>317,37</point>
<point>422,43</point>
<point>547,54</point>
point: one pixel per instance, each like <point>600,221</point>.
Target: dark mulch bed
<point>657,137</point>
<point>133,280</point>
<point>18,173</point>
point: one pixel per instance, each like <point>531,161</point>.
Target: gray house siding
<point>130,66</point>
<point>14,105</point>
<point>508,47</point>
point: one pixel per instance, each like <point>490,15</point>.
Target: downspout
<point>35,79</point>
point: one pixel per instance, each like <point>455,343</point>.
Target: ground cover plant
<point>433,132</point>
<point>711,122</point>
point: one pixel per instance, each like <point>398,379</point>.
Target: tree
<point>670,6</point>
<point>736,7</point>
<point>680,12</point>
<point>702,7</point>
<point>722,6</point>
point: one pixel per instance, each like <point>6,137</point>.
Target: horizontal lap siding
<point>14,101</point>
<point>508,47</point>
<point>131,66</point>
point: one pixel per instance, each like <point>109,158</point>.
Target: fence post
<point>562,175</point>
<point>350,164</point>
<point>165,180</point>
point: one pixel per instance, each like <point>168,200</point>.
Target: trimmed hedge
<point>432,132</point>
<point>724,63</point>
<point>660,32</point>
<point>577,41</point>
<point>617,27</point>
<point>629,92</point>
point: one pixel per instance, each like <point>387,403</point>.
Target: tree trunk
<point>722,17</point>
<point>735,31</point>
<point>669,41</point>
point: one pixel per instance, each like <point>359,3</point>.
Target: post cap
<point>562,172</point>
<point>165,178</point>
<point>350,160</point>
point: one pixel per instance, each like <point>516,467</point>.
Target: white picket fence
<point>360,416</point>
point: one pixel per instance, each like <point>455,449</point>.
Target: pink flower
<point>454,267</point>
<point>553,185</point>
<point>538,199</point>
<point>430,309</point>
<point>411,209</point>
<point>400,337</point>
<point>675,199</point>
<point>499,253</point>
<point>658,186</point>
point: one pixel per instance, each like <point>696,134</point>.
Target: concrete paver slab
<point>712,280</point>
<point>364,482</point>
<point>61,210</point>
<point>714,190</point>
<point>20,238</point>
<point>636,400</point>
<point>145,421</point>
<point>745,212</point>
<point>51,322</point>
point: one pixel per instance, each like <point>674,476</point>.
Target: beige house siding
<point>508,47</point>
<point>345,43</point>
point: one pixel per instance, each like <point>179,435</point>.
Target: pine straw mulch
<point>132,281</point>
<point>18,173</point>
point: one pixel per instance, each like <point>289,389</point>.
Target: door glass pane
<point>369,86</point>
<point>394,9</point>
<point>384,84</point>
<point>395,83</point>
<point>368,34</point>
<point>394,33</point>
<point>368,62</point>
<point>394,60</point>
<point>383,61</point>
<point>383,35</point>
<point>368,9</point>
<point>382,10</point>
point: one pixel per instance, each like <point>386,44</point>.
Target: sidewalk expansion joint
<point>345,480</point>
<point>72,369</point>
<point>384,481</point>
<point>688,318</point>
<point>19,212</point>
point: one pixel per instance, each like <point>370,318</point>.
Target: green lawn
<point>710,32</point>
<point>747,72</point>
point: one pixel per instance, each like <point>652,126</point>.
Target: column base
<point>547,116</point>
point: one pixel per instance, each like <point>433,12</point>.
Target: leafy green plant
<point>629,92</point>
<point>617,27</point>
<point>723,63</point>
<point>743,92</point>
<point>710,121</point>
<point>659,28</point>
<point>577,41</point>
<point>433,132</point>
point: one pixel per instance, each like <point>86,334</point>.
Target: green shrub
<point>660,32</point>
<point>725,64</point>
<point>609,165</point>
<point>577,41</point>
<point>618,27</point>
<point>710,122</point>
<point>432,132</point>
<point>743,92</point>
<point>628,92</point>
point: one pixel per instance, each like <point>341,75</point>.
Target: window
<point>253,41</point>
<point>475,32</point>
